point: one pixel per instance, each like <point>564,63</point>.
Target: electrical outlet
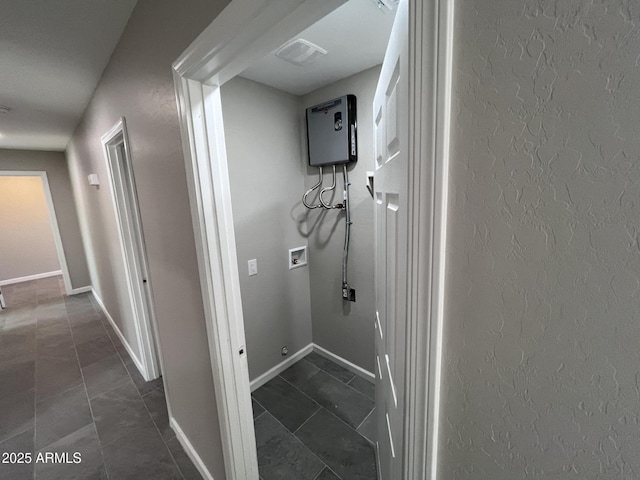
<point>253,267</point>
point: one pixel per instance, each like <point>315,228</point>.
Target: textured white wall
<point>542,365</point>
<point>26,239</point>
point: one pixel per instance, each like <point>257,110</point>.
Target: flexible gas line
<point>348,293</point>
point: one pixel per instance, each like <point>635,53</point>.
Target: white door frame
<point>53,221</point>
<point>242,33</point>
<point>132,245</point>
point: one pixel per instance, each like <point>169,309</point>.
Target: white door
<point>391,116</point>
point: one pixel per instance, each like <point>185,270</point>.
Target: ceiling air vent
<point>300,52</point>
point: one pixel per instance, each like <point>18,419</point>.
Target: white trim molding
<point>300,354</point>
<point>189,450</point>
<point>281,367</point>
<point>77,291</point>
<point>431,40</point>
<point>352,367</point>
<point>53,219</point>
<point>117,155</point>
<point>27,278</point>
<point>123,339</point>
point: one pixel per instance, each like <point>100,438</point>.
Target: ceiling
<point>52,54</point>
<point>355,37</point>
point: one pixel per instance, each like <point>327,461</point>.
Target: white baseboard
<point>30,277</point>
<point>77,291</point>
<point>352,367</point>
<point>281,367</point>
<point>189,450</point>
<point>122,338</point>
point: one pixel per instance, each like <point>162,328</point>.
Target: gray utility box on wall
<point>331,132</point>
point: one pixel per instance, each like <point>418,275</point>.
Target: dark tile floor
<point>315,421</point>
<point>68,385</point>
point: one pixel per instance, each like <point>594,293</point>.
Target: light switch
<point>253,267</point>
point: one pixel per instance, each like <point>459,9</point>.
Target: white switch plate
<point>253,267</point>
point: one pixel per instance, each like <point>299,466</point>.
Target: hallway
<point>68,385</point>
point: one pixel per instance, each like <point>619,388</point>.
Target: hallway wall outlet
<point>253,267</point>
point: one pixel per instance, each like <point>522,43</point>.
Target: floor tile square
<point>369,428</point>
<point>18,377</point>
<point>343,401</point>
<point>61,415</point>
<point>327,474</point>
<point>281,456</point>
<point>341,448</point>
<point>105,375</point>
<point>95,350</point>
<point>141,384</point>
<point>55,375</point>
<point>139,454</point>
<point>299,373</point>
<point>83,442</point>
<point>119,412</point>
<point>257,408</point>
<point>157,405</point>
<point>364,386</point>
<point>23,443</point>
<point>186,466</point>
<point>83,332</point>
<point>16,413</point>
<point>330,367</point>
<point>285,402</point>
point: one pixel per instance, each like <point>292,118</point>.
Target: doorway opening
<point>415,92</point>
<point>129,224</point>
<point>41,254</point>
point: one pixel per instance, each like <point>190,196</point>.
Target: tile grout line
<point>307,420</point>
<point>158,430</point>
<point>86,392</point>
<point>348,384</point>
<point>307,396</point>
<point>35,385</point>
<point>331,413</point>
<point>365,418</point>
<point>264,410</point>
<point>300,441</point>
<point>321,406</point>
<point>310,417</point>
<point>137,391</point>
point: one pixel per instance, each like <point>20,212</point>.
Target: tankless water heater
<point>331,132</point>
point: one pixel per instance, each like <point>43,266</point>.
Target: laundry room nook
<point>298,134</point>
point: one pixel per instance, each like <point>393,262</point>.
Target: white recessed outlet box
<point>253,267</point>
<point>297,257</point>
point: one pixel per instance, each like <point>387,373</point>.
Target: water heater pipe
<point>333,185</point>
<point>304,197</point>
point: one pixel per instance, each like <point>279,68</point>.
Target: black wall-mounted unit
<point>331,132</point>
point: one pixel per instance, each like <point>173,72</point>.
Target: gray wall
<point>344,328</point>
<point>542,332</point>
<point>63,202</point>
<point>262,134</point>
<point>26,241</point>
<point>138,84</point>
